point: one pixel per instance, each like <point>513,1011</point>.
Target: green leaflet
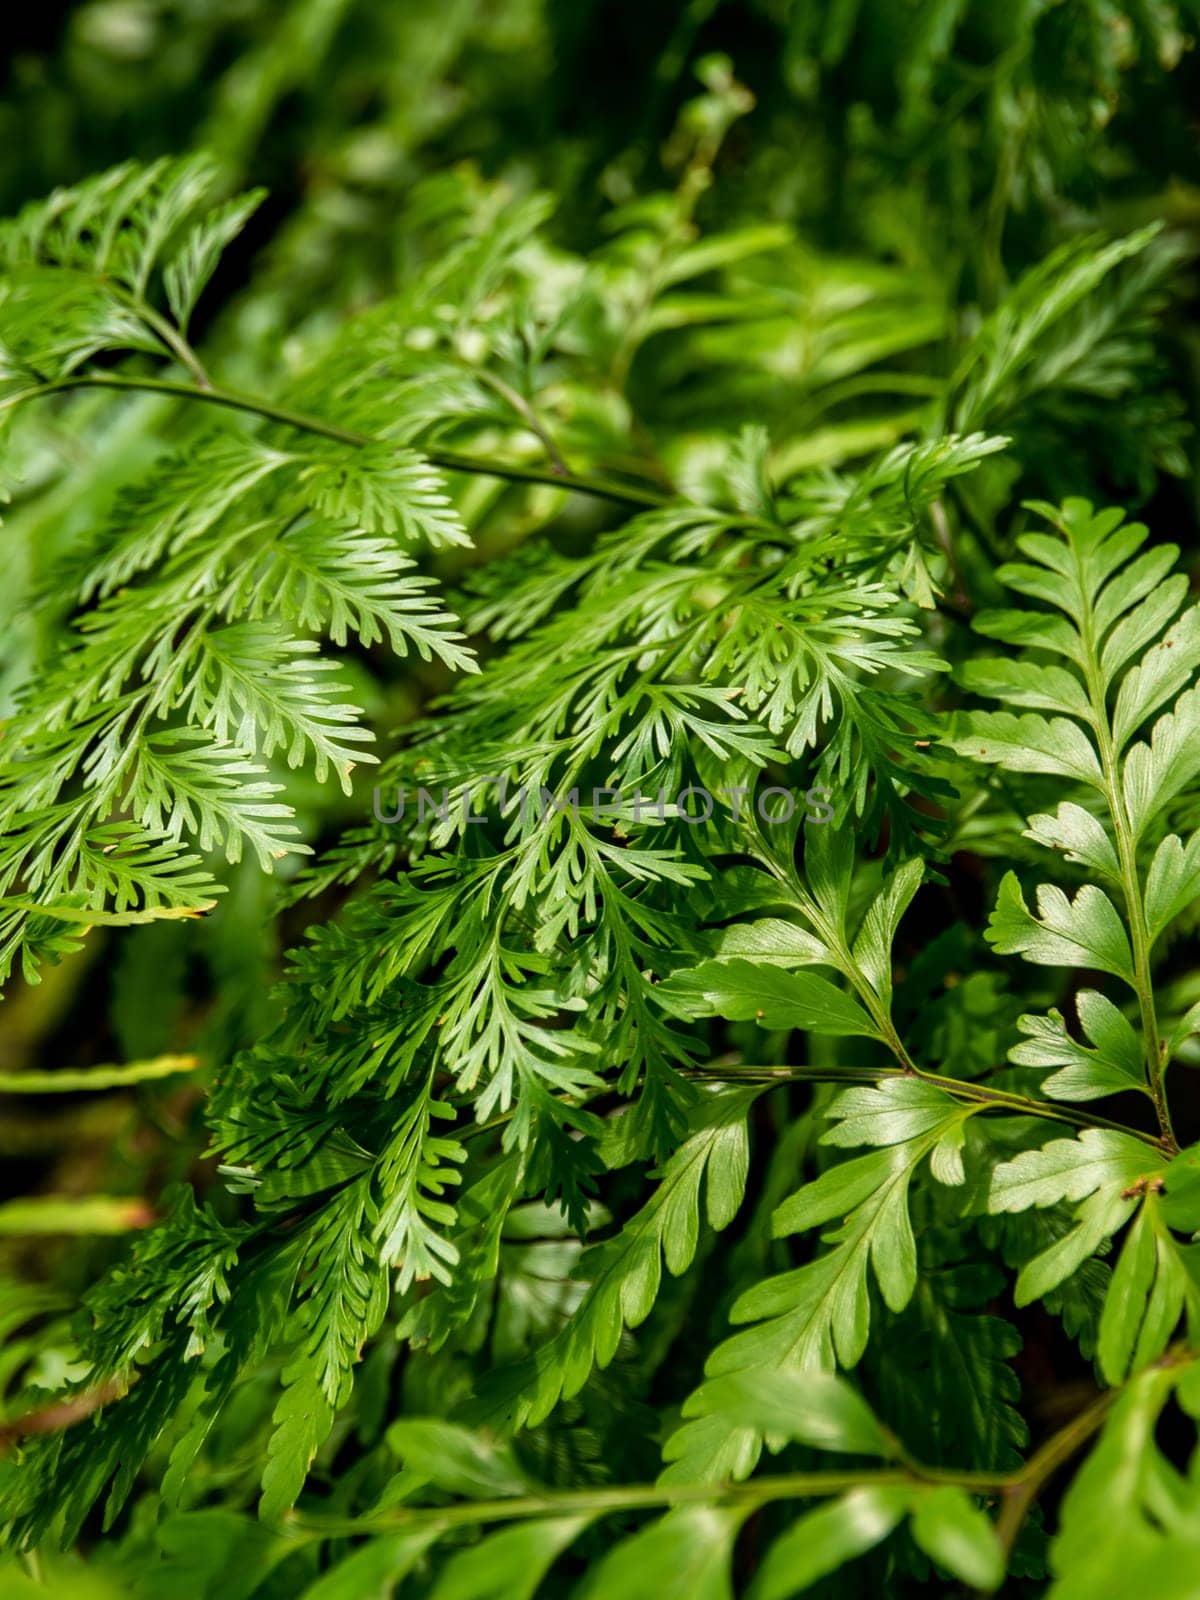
<point>1040,686</point>
<point>872,949</point>
<point>1128,1516</point>
<point>109,237</point>
<point>1152,1283</point>
<point>1158,768</point>
<point>394,491</point>
<point>1172,883</point>
<point>1164,669</point>
<point>818,1315</point>
<point>337,1310</point>
<point>955,1534</point>
<point>625,1272</point>
<point>1029,744</point>
<point>194,262</point>
<point>741,989</point>
<point>508,1565</point>
<point>1084,932</point>
<point>1070,1169</point>
<point>1080,836</point>
<point>1031,338</point>
<point>945,1524</point>
<point>824,1540</point>
<point>688,1551</point>
<point>414,1171</point>
<point>386,1560</point>
<point>770,939</point>
<point>812,1408</point>
<point>1113,1065</point>
<point>1108,1178</point>
<point>454,1459</point>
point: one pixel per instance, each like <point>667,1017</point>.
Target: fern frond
<point>81,268</point>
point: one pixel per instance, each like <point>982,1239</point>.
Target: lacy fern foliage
<point>667,1129</point>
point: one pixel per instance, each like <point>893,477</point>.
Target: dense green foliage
<point>598,801</point>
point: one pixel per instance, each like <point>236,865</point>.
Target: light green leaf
<point>824,1540</point>
<point>1084,932</point>
<point>1081,837</point>
<point>508,1565</point>
<point>375,1567</point>
<point>829,869</point>
<point>1125,1302</point>
<point>1097,1219</point>
<point>455,1459</point>
<point>1070,1169</point>
<point>687,1552</point>
<point>1149,1289</point>
<point>1180,1197</point>
<point>1155,771</point>
<point>771,939</point>
<point>1173,882</point>
<point>1027,744</point>
<point>383,488</point>
<point>1038,686</point>
<point>1140,627</point>
<point>1161,673</point>
<point>303,1418</point>
<point>1032,628</point>
<point>812,1408</point>
<point>741,990</point>
<point>1115,1064</point>
<point>873,946</point>
<point>195,260</point>
<point>1102,1173</point>
<point>893,1111</point>
<point>952,1531</point>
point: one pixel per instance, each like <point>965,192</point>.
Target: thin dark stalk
<point>449,460</point>
<point>992,1099</point>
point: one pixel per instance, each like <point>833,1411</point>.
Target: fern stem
<point>831,935</point>
<point>1017,1490</point>
<point>1058,1449</point>
<point>992,1099</point>
<point>1028,1483</point>
<point>648,1496</point>
<point>448,460</point>
<point>175,343</point>
<point>528,416</point>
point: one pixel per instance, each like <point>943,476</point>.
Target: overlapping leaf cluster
<point>616,1195</point>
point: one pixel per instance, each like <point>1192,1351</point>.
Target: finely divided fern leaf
<point>192,665</point>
